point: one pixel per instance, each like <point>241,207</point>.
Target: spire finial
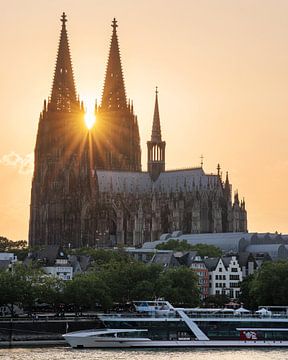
<point>114,24</point>
<point>218,169</point>
<point>202,158</point>
<point>156,91</point>
<point>63,18</point>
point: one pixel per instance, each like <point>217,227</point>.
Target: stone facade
<point>88,188</point>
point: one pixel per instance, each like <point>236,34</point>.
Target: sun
<point>90,117</point>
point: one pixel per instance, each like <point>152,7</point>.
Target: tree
<point>182,245</point>
<point>86,291</point>
<point>268,286</point>
<point>246,296</point>
<point>9,245</point>
<point>126,281</point>
<point>179,286</point>
<point>19,287</point>
<point>50,291</point>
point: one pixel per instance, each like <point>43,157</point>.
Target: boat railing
<point>193,315</point>
<point>236,316</point>
<point>140,315</point>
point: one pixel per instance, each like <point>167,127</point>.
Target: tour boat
<point>158,324</point>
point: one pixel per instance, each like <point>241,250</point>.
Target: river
<point>62,353</point>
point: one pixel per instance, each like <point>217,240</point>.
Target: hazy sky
<point>222,71</point>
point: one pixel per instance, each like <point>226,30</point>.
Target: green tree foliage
<point>182,245</point>
<point>86,291</point>
<point>114,278</point>
<point>9,245</point>
<point>268,286</point>
<point>27,286</point>
<point>19,287</point>
<point>19,247</point>
<point>179,286</point>
<point>130,281</point>
<point>50,290</point>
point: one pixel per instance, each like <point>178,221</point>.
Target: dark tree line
<point>114,278</point>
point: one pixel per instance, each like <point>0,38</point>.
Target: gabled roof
<point>185,258</point>
<point>226,261</point>
<point>49,254</point>
<point>165,259</point>
<point>211,263</point>
<point>244,258</point>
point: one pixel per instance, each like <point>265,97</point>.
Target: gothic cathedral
<point>88,187</point>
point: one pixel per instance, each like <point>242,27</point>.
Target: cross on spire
<point>63,18</point>
<point>114,24</point>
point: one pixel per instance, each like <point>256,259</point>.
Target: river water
<point>61,353</point>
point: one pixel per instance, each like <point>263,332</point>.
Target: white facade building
<point>62,270</point>
<point>225,275</point>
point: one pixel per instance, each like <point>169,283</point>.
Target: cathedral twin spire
<point>63,90</point>
<point>63,95</point>
<point>114,96</point>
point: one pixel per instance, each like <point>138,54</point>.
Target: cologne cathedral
<point>88,187</point>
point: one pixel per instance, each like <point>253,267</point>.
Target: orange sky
<point>222,71</point>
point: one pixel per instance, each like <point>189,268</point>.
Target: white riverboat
<point>159,324</point>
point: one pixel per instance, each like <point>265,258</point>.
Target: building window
<point>220,269</point>
<point>234,277</point>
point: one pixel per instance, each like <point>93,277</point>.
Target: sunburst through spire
<point>90,116</point>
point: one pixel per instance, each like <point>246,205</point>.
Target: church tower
<point>63,185</point>
<point>117,140</point>
<point>156,147</point>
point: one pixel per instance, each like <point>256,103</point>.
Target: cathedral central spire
<point>63,90</point>
<point>156,128</point>
<point>156,147</point>
<point>114,96</point>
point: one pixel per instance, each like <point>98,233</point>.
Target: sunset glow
<point>90,117</point>
<point>222,90</point>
